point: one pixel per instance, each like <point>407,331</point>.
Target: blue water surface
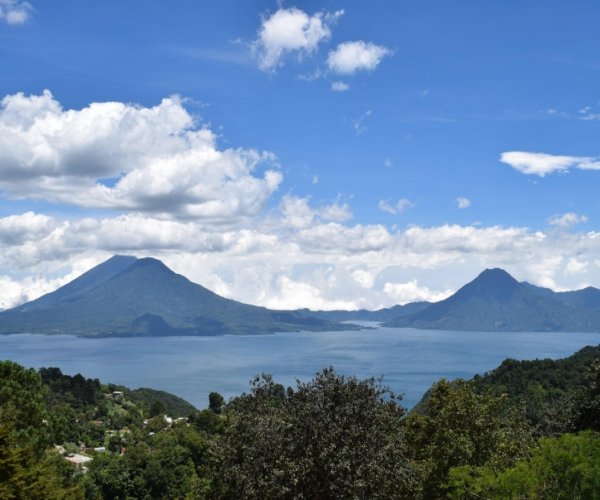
<point>410,360</point>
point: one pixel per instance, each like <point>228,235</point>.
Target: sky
<point>338,154</point>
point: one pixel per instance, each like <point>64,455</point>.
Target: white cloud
<point>339,86</point>
<point>159,160</point>
<point>575,266</point>
<point>337,238</point>
<point>411,291</point>
<point>364,278</point>
<point>16,229</point>
<point>397,208</point>
<point>463,202</point>
<point>589,114</point>
<point>290,30</point>
<point>350,57</point>
<point>568,219</point>
<point>296,212</point>
<point>542,164</point>
<point>297,295</point>
<point>15,12</point>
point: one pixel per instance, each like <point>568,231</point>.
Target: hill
<point>381,315</point>
<point>125,296</point>
<point>539,383</point>
<point>495,301</point>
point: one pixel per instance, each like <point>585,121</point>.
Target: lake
<point>410,360</point>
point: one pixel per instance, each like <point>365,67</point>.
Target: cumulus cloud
<point>290,31</point>
<point>364,278</point>
<point>296,212</point>
<point>339,86</point>
<point>127,157</point>
<point>15,12</point>
<point>463,202</point>
<point>338,238</point>
<point>575,266</point>
<point>351,57</point>
<point>411,291</point>
<point>568,219</point>
<point>542,164</point>
<point>292,294</point>
<point>397,208</point>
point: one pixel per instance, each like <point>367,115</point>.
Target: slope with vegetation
<point>331,437</point>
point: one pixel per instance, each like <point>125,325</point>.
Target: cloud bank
<point>127,157</point>
<point>169,191</point>
<point>294,257</point>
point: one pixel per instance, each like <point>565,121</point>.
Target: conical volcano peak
<point>496,283</point>
<point>150,263</point>
<point>496,276</point>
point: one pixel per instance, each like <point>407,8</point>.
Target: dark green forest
<point>528,429</point>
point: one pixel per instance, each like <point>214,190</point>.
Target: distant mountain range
<point>379,316</point>
<point>126,296</point>
<point>495,301</point>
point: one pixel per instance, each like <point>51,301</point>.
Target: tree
<point>460,427</point>
<point>215,402</point>
<point>157,408</point>
<point>333,437</point>
<point>564,468</point>
<point>23,406</point>
<point>578,410</point>
<point>587,401</point>
<point>25,475</point>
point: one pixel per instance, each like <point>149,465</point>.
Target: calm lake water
<point>191,367</point>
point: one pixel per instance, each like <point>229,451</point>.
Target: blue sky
<point>321,154</point>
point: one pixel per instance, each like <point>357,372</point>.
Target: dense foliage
<point>539,384</point>
<point>524,430</point>
<point>564,468</point>
<point>459,427</point>
<point>171,404</point>
<point>333,437</point>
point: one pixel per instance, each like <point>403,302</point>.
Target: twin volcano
<point>125,296</point>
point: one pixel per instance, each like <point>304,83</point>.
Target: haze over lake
<point>410,360</point>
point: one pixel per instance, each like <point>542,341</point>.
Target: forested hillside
<point>528,429</point>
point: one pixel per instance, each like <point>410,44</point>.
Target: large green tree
<point>458,427</point>
<point>333,437</point>
<point>23,406</point>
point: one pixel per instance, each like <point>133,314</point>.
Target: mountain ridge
<point>129,296</point>
<point>495,301</point>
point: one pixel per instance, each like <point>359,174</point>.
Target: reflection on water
<point>410,360</point>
